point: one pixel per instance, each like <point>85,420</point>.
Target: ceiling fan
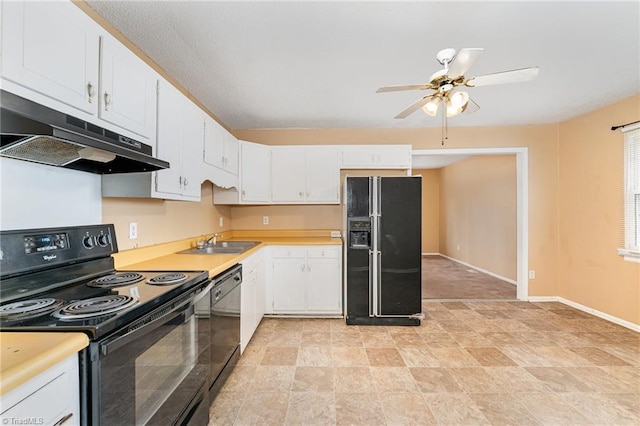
<point>449,82</point>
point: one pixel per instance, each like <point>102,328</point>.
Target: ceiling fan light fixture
<point>431,107</point>
<point>457,103</point>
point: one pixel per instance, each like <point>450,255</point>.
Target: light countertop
<point>25,355</point>
<point>218,263</point>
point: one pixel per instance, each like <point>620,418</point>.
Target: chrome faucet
<point>207,243</point>
<point>212,240</point>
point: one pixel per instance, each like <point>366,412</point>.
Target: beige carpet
<point>443,278</point>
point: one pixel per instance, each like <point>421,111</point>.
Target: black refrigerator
<point>383,265</point>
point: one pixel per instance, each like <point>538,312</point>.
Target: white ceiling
<point>318,64</point>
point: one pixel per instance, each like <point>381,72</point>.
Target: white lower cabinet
<point>50,398</point>
<point>252,296</point>
<point>305,280</point>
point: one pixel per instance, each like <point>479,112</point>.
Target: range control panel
<point>32,249</point>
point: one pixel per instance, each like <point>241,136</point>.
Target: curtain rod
<point>623,125</point>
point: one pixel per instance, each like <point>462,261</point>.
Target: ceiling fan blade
<point>407,87</point>
<point>471,107</point>
<point>514,76</point>
<point>414,107</point>
<point>463,61</point>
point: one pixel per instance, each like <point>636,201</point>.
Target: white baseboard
<point>431,254</point>
<point>484,271</point>
<point>600,314</point>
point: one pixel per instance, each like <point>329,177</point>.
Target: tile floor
<point>469,363</point>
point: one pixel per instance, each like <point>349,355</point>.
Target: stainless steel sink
<point>223,247</point>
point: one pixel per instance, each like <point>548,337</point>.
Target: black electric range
<point>55,279</point>
<point>145,327</point>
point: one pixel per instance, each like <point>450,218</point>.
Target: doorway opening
<point>458,237</point>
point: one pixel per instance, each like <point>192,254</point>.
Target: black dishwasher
<point>225,327</point>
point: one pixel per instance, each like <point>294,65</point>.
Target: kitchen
<point>557,246</point>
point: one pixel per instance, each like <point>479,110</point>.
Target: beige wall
<point>161,221</point>
<point>542,144</point>
<point>590,204</point>
<point>478,213</point>
<point>430,209</point>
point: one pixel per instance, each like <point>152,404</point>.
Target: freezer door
<point>399,236</point>
<point>358,257</point>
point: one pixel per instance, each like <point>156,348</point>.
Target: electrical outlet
<point>221,221</point>
<point>133,230</point>
<point>532,275</point>
<point>265,220</point>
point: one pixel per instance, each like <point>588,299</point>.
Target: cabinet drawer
<point>48,403</point>
<point>289,252</point>
<point>324,252</point>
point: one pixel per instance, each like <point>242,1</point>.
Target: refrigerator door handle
<point>378,310</point>
<point>370,196</point>
<point>372,298</point>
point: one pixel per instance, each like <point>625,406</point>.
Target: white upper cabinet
<point>180,142</point>
<point>255,177</point>
<point>220,148</point>
<point>52,48</point>
<point>127,89</point>
<point>322,175</point>
<point>376,157</point>
<point>56,55</point>
<point>288,174</point>
<point>305,175</point>
<point>254,186</point>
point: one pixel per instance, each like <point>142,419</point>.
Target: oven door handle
<point>124,339</point>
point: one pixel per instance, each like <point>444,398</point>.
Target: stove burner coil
<point>167,279</point>
<point>116,280</point>
<point>27,309</point>
<point>95,307</point>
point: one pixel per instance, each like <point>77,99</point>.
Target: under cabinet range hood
<point>33,132</point>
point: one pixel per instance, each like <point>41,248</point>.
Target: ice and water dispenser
<point>359,233</point>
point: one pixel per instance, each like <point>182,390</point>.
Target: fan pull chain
<point>445,129</point>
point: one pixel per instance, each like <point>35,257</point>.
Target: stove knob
<point>87,242</point>
<point>103,240</point>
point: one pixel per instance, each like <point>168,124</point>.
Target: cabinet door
<point>358,157</point>
<point>52,48</point>
<point>394,157</point>
<point>191,149</point>
<point>127,89</point>
<point>288,174</point>
<point>322,175</point>
<point>213,143</point>
<point>324,281</point>
<point>261,278</point>
<point>170,102</point>
<point>376,156</point>
<point>231,153</point>
<point>255,179</point>
<point>247,308</point>
<point>288,287</point>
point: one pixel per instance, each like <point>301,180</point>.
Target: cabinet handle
<point>180,180</point>
<point>302,267</point>
<point>307,193</point>
<point>90,92</point>
<point>301,193</point>
<point>107,101</point>
<point>63,420</point>
<point>308,268</point>
<point>186,182</point>
<point>244,192</point>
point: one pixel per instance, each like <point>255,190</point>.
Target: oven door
<point>154,371</point>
